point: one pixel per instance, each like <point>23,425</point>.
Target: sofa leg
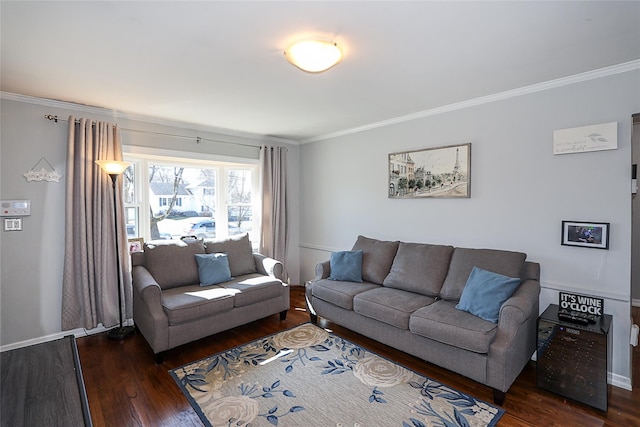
<point>312,313</point>
<point>159,358</point>
<point>283,315</point>
<point>498,397</point>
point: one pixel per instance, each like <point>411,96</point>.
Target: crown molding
<point>67,105</point>
<point>500,96</point>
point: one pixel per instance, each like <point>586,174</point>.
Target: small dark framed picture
<point>585,234</point>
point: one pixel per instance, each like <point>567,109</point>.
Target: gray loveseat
<point>407,299</point>
<point>171,308</point>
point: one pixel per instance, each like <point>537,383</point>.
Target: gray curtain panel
<point>89,288</point>
<point>275,227</point>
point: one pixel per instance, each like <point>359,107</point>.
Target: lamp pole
<point>114,169</point>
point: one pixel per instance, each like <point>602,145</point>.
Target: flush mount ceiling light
<point>313,56</point>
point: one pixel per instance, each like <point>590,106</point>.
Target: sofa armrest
<point>146,286</point>
<point>323,269</point>
<point>148,313</point>
<point>269,266</point>
<point>515,340</point>
<point>519,307</point>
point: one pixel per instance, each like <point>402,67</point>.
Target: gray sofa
<point>171,308</point>
<point>407,299</point>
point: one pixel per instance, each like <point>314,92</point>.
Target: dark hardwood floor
<point>126,388</point>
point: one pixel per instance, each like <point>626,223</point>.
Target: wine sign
<point>581,303</point>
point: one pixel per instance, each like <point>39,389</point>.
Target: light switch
<point>13,224</point>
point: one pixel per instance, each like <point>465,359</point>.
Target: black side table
<point>573,359</point>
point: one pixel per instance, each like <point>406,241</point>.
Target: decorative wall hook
<point>42,174</point>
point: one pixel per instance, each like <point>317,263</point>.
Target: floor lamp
<point>115,168</point>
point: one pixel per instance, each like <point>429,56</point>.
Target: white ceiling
<point>220,64</point>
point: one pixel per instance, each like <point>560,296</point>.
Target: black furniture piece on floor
<point>573,358</point>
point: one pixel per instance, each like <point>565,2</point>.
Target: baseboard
<point>80,332</point>
<point>635,302</point>
<point>620,381</point>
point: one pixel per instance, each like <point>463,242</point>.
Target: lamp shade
<point>113,167</point>
<point>314,56</point>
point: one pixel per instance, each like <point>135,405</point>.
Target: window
<point>170,197</point>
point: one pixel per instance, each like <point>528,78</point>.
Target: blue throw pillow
<point>213,268</point>
<point>485,292</point>
<point>346,266</point>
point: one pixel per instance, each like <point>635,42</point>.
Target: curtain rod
<point>55,119</point>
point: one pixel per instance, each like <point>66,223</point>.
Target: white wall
<point>32,259</point>
<point>520,191</point>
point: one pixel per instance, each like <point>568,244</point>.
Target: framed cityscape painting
<point>441,172</point>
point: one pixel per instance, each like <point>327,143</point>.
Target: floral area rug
<point>306,376</point>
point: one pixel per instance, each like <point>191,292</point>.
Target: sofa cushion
<point>137,258</point>
<point>253,288</point>
<point>339,293</point>
<point>172,262</point>
<point>463,260</point>
<point>485,292</point>
<point>442,322</point>
<point>346,266</point>
<point>213,268</point>
<point>392,306</point>
<point>185,304</point>
<point>377,257</point>
<point>419,268</point>
<point>239,251</point>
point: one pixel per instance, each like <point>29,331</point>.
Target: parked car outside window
<point>202,228</point>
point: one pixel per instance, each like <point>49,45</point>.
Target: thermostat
<point>15,207</point>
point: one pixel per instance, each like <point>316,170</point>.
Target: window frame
<point>141,157</point>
